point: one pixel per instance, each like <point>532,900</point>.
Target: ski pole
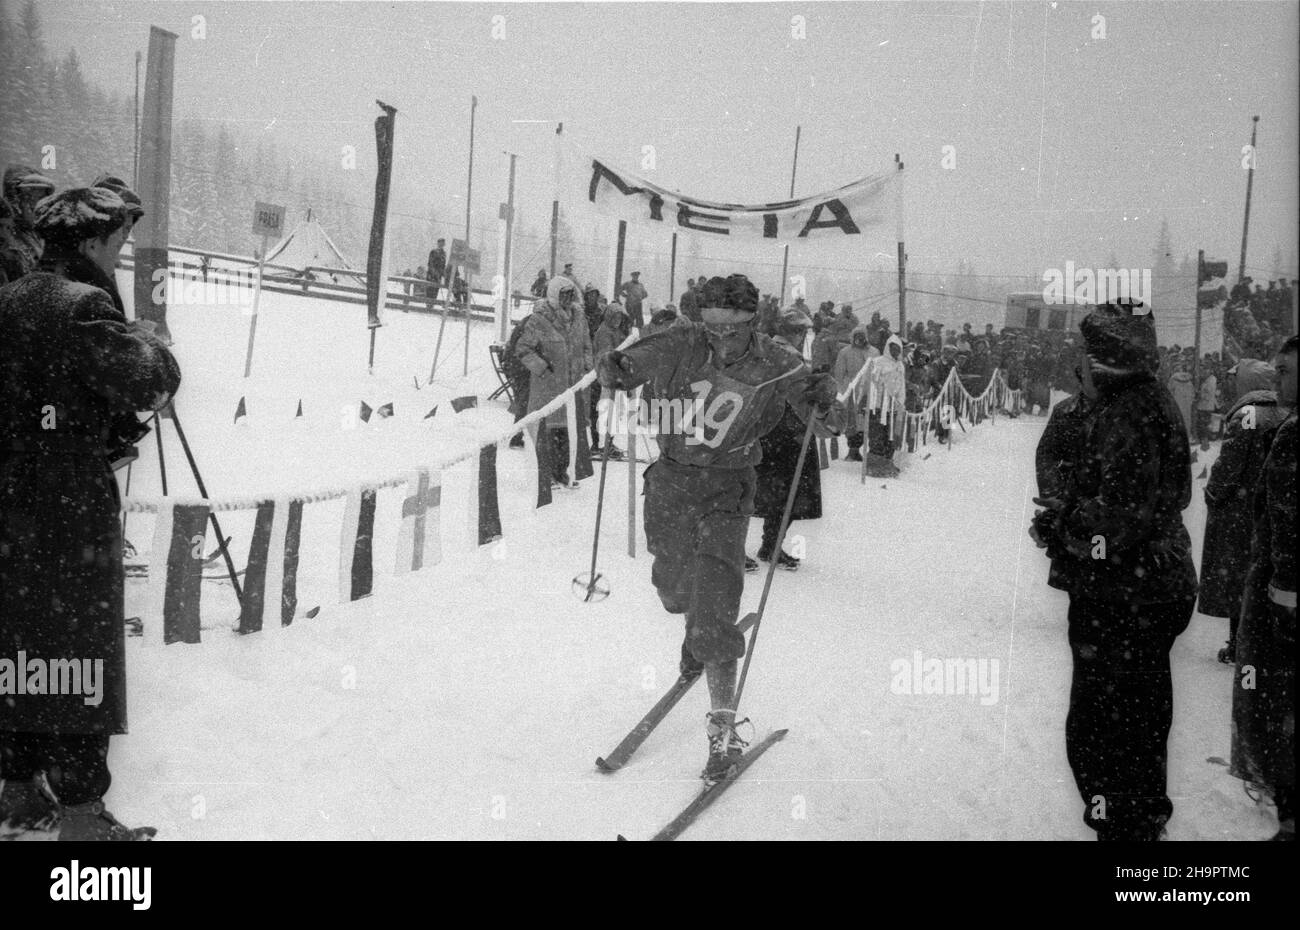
<point>221,539</point>
<point>600,500</point>
<point>771,568</point>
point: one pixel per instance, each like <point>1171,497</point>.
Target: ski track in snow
<point>470,700</point>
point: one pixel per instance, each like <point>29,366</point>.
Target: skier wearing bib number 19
<point>718,386</point>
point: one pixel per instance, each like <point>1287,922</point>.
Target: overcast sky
<point>1067,146</point>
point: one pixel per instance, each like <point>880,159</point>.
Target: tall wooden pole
<point>1196,296</point>
<point>469,193</point>
<point>1250,180</point>
<point>503,331</point>
<point>555,202</point>
<point>785,258</point>
<point>902,261</point>
<point>135,161</point>
<point>672,271</point>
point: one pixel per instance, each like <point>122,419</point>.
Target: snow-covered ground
<point>470,699</point>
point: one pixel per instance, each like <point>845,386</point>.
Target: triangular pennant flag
<point>431,412</point>
<point>241,410</point>
<point>386,410</point>
<point>463,403</point>
<point>419,541</point>
<point>364,412</point>
<point>299,413</point>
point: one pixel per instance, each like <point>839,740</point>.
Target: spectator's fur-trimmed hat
<point>1121,337</point>
<point>134,206</point>
<point>67,218</point>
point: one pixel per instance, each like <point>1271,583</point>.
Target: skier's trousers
<point>696,519</point>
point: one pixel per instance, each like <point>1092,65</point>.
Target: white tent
<point>308,246</point>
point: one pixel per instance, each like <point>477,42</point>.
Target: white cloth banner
<point>864,205</point>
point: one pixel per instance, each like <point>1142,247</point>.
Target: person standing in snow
<point>882,401</point>
<point>776,469</point>
<point>699,493</point>
<point>633,293</point>
<point>848,363</point>
<point>1263,697</point>
<point>436,271</point>
<point>545,347</point>
<point>614,328</point>
<point>69,353</point>
<point>1225,550</point>
<point>1116,532</point>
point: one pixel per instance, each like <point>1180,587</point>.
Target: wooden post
<point>1250,180</point>
<point>672,271</point>
<point>257,299</point>
<point>785,258</point>
<point>618,258</point>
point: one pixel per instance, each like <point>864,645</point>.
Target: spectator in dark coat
<point>436,268</point>
<point>1263,697</point>
<point>73,366</point>
<point>12,265</point>
<point>592,309</point>
<point>517,374</point>
<point>1252,423</point>
<point>1059,451</point>
<point>539,284</point>
<point>614,328</point>
<point>689,305</point>
<point>1118,533</point>
<point>634,293</point>
<point>776,469</point>
<point>24,188</point>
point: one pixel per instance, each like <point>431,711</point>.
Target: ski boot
<point>24,807</point>
<point>722,730</point>
<point>784,560</point>
<point>750,566</point>
<point>1228,654</point>
<point>855,455</point>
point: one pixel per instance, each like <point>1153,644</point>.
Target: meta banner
<point>864,205</point>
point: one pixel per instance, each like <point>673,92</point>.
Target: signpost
<point>268,221</point>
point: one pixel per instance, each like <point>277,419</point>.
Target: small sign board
<point>268,220</point>
<point>458,256</point>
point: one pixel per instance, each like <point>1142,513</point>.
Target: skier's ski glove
<point>615,370</point>
<point>820,391</point>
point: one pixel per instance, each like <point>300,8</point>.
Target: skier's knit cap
<point>66,218</point>
<point>734,292</point>
<point>118,186</point>
<point>1121,337</point>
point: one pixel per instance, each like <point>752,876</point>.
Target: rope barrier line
<point>400,478</point>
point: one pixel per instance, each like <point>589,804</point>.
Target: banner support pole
<point>785,258</point>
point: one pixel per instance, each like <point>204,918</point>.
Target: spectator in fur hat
<point>67,347</point>
<point>1116,532</point>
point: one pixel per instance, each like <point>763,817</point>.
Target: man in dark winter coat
<point>70,365</point>
<point>436,269</point>
<point>539,284</point>
<point>1263,696</point>
<point>689,304</point>
<point>1117,533</point>
<point>634,293</point>
<point>699,493</point>
<point>1252,423</point>
<point>24,188</point>
<point>776,469</point>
